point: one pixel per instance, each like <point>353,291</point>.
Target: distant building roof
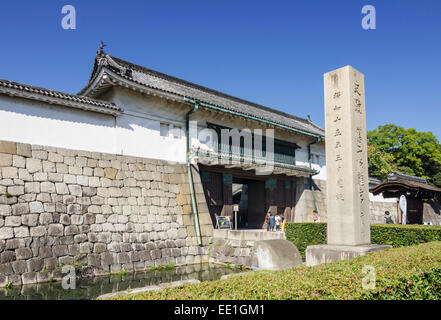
<point>125,73</point>
<point>396,176</point>
<point>56,97</point>
<point>398,184</point>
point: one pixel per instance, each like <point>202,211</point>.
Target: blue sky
<point>270,52</point>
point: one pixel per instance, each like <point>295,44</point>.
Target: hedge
<point>401,273</point>
<point>397,235</point>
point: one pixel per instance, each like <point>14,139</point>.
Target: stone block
<point>30,220</point>
<point>319,254</point>
<point>9,173</point>
<point>94,260</point>
<point>19,267</point>
<point>70,230</point>
<point>7,256</point>
<point>34,264</point>
<point>39,154</point>
<point>55,229</point>
<point>33,165</point>
<point>46,218</point>
<point>23,253</point>
<point>75,190</point>
<point>36,207</point>
<point>24,150</point>
<point>40,176</point>
<point>20,209</point>
<point>12,221</point>
<point>32,187</point>
<point>5,210</point>
<point>21,232</point>
<point>65,219</point>
<point>8,147</point>
<point>55,157</point>
<point>29,277</point>
<point>60,250</point>
<point>43,276</point>
<point>107,258</point>
<point>110,173</point>
<point>61,188</point>
<point>50,263</point>
<point>45,252</point>
<point>6,160</point>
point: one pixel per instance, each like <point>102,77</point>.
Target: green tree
<point>380,163</point>
<point>412,152</point>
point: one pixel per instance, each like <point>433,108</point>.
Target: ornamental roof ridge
<point>37,93</point>
<point>185,89</point>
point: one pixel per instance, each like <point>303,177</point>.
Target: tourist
<point>272,222</point>
<point>267,221</point>
<point>278,220</point>
<point>388,218</point>
<point>315,216</point>
<point>283,223</point>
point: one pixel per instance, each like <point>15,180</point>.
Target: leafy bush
<point>401,273</point>
<point>305,234</point>
<point>397,235</point>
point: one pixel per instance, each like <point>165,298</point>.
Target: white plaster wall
<point>138,129</point>
<point>34,122</point>
<point>380,198</point>
<point>136,132</point>
<point>141,137</point>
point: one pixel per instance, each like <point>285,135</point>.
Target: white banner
<point>403,207</point>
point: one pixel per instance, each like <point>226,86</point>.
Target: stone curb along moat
<point>99,212</point>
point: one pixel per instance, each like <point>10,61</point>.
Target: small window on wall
<point>317,158</point>
<point>164,129</point>
<point>177,132</point>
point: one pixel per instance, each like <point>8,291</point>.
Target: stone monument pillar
<point>348,229</point>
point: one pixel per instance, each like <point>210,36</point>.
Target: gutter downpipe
<point>190,175</point>
<point>310,176</point>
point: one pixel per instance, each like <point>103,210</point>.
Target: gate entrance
<point>255,195</point>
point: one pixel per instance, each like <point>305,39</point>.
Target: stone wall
<point>305,203</point>
<point>234,252</point>
<point>432,212</point>
<point>238,247</point>
<point>99,212</point>
<point>305,199</point>
<point>378,208</point>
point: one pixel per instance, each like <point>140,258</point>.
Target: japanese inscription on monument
<point>346,158</point>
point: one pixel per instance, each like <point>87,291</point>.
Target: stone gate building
<point>132,171</point>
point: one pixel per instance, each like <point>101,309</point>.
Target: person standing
<point>388,218</point>
<point>315,216</point>
<point>278,222</point>
<point>283,223</point>
<point>267,221</point>
<point>272,222</point>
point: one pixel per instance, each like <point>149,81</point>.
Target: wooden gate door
<point>213,189</point>
<point>415,209</point>
<point>256,204</point>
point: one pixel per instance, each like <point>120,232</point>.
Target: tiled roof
<point>160,81</point>
<point>36,93</point>
<point>399,183</point>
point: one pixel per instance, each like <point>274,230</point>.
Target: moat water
<point>90,288</point>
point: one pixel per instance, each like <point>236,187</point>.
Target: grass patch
<point>401,273</point>
<point>165,267</point>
